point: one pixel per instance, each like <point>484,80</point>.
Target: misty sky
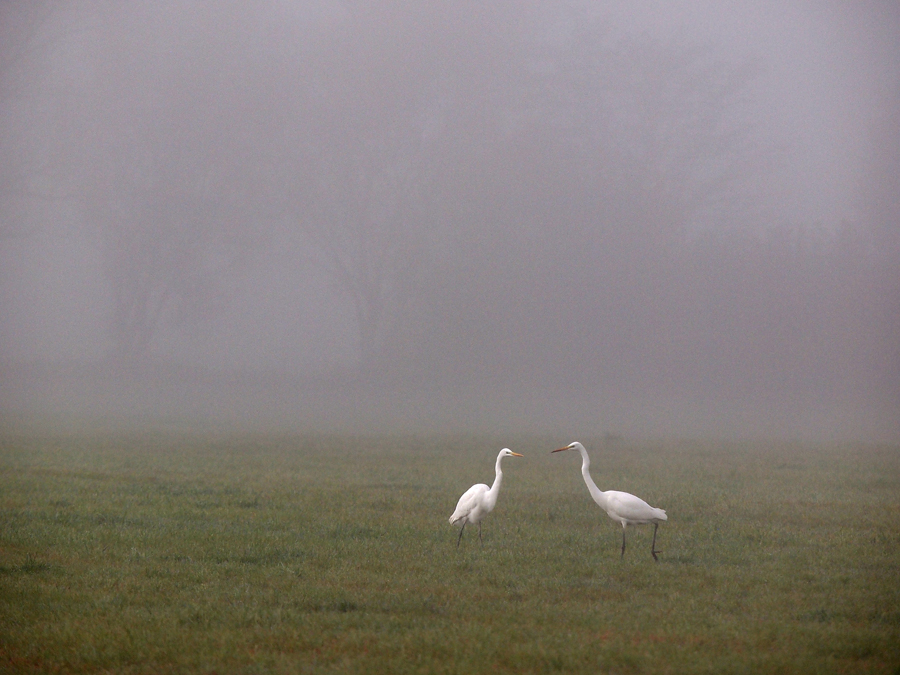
<point>285,141</point>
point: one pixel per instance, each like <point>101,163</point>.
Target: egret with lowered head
<point>622,507</point>
<point>479,500</point>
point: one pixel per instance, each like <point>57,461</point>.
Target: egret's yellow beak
<point>516,454</point>
<point>560,449</point>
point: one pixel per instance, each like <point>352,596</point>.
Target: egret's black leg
<point>623,541</point>
<point>458,539</point>
<point>479,533</point>
<point>653,550</point>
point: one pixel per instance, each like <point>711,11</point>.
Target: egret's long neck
<point>498,477</point>
<point>598,495</point>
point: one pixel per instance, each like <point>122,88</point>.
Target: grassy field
<point>167,554</point>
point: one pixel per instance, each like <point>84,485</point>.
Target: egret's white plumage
<point>479,500</point>
<point>622,507</point>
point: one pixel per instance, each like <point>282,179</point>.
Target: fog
<point>639,219</point>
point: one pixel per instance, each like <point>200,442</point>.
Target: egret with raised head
<point>622,507</point>
<point>479,500</point>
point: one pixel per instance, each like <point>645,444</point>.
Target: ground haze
<point>650,220</point>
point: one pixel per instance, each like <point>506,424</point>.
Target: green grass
<point>168,554</point>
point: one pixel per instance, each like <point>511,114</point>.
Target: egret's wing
<point>468,501</point>
<point>632,508</point>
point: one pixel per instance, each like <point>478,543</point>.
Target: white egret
<point>622,507</point>
<point>479,500</point>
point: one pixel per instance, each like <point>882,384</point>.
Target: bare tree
<point>363,190</point>
<point>405,99</point>
<point>364,218</point>
<point>176,169</point>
